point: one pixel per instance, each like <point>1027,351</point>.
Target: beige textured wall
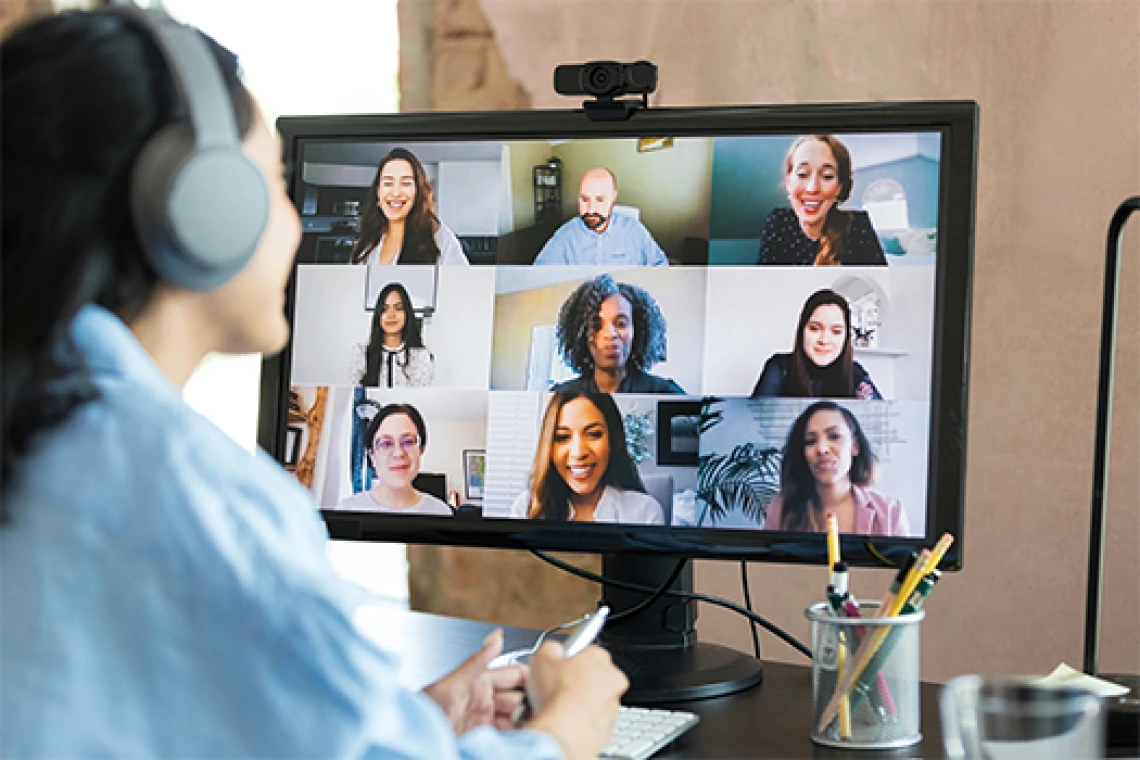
<point>1058,84</point>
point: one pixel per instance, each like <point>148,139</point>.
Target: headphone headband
<point>199,204</point>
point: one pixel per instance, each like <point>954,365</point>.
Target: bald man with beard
<point>597,235</point>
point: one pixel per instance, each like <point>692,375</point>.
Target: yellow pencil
<point>872,643</point>
<point>832,542</point>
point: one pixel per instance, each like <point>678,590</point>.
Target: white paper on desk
<point>1066,676</point>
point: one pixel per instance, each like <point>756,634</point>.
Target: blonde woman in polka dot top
<point>814,230</point>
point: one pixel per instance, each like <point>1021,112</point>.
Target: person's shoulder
<point>432,505</point>
<point>575,385</point>
<point>773,514</point>
<point>358,502</point>
<point>781,361</point>
<point>877,499</point>
<point>520,506</point>
<point>636,506</point>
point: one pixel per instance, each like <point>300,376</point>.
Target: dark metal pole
<point>1104,430</point>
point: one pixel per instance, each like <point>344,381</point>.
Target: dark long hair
<point>835,227</point>
<point>410,335</point>
<point>549,494</point>
<point>578,318</point>
<point>82,93</point>
<point>801,505</point>
<point>836,378</point>
<point>421,223</point>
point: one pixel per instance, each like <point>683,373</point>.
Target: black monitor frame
<point>957,123</point>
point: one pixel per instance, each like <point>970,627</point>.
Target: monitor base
<point>679,674</point>
<point>657,648</point>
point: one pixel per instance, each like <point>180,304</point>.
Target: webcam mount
<point>608,82</point>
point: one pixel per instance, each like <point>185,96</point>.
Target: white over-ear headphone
<point>199,204</point>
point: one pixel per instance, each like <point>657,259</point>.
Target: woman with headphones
<point>166,591</point>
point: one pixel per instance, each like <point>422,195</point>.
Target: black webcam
<point>607,81</point>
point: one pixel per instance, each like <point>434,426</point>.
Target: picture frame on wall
<point>474,472</point>
<point>678,433</point>
<point>292,445</point>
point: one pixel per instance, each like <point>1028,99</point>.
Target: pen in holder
<point>883,698</point>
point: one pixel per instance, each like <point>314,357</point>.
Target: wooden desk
<point>771,720</point>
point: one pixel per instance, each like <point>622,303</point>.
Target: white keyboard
<point>640,732</point>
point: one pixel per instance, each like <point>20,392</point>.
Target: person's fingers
<point>506,679</point>
<point>504,724</point>
<point>507,702</point>
<point>476,663</point>
<point>550,650</point>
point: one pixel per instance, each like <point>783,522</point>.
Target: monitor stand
<point>657,649</point>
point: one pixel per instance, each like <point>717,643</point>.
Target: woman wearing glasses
<point>396,439</point>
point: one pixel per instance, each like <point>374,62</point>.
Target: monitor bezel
<point>955,120</point>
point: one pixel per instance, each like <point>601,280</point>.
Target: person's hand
<point>575,700</point>
<point>473,696</point>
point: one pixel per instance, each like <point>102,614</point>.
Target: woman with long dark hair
<point>163,588</point>
<point>395,356</point>
<point>399,224</point>
<point>821,363</point>
<point>813,230</point>
<point>827,469</point>
<point>582,468</point>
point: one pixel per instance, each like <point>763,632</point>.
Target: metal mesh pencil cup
<point>882,711</point>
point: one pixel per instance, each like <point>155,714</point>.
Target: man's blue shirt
<point>624,241</point>
<point>165,593</point>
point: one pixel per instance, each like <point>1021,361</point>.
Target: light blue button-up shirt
<point>624,241</point>
<point>165,593</point>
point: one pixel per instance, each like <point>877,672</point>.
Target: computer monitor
<point>779,294</point>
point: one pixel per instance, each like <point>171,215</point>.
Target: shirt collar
<point>110,348</point>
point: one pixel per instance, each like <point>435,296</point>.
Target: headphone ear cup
<point>199,213</point>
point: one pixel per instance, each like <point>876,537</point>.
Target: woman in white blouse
<point>402,227</point>
<point>582,469</point>
<point>396,439</point>
<point>395,356</point>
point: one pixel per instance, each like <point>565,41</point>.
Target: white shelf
<point>887,352</point>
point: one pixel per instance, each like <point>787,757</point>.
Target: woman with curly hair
<point>401,227</point>
<point>395,356</point>
<point>612,333</point>
<point>582,469</point>
<point>827,469</point>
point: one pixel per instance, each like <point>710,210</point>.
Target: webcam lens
<point>599,80</point>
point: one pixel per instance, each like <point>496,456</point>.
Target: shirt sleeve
<point>865,387</point>
<point>421,368</point>
<point>450,249</point>
<point>900,526</point>
<point>772,516</point>
<point>651,252</point>
<point>770,380</point>
<point>323,689</point>
<point>520,505</point>
<point>863,246</point>
<point>557,249</point>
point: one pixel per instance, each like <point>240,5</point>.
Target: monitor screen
<point>693,333</point>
